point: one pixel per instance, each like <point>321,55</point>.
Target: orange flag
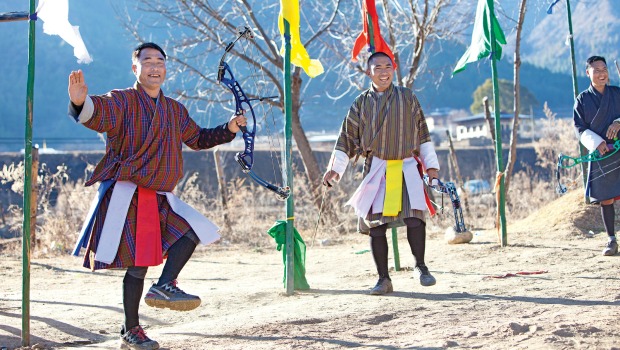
<point>363,39</point>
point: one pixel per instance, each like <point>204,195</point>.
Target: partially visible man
<point>386,126</point>
<point>597,121</point>
<point>136,220</point>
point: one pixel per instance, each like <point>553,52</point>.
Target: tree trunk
<point>311,166</point>
<point>512,155</point>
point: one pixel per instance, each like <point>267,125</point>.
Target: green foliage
<point>506,98</point>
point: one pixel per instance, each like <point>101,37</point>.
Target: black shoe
<point>135,338</point>
<point>172,297</point>
<point>611,248</point>
<point>384,286</point>
<point>426,279</point>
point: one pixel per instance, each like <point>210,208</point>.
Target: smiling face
<point>598,74</point>
<point>381,72</point>
<point>150,70</point>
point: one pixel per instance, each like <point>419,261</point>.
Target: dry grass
<point>252,210</point>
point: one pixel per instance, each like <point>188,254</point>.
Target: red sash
<point>148,231</point>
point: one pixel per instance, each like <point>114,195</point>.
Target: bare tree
<point>410,27</point>
<point>198,32</point>
<point>512,154</point>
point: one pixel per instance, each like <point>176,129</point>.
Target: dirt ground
<point>480,300</point>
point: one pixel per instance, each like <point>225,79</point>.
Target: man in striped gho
<point>386,126</point>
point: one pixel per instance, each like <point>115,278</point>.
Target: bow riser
<point>450,189</point>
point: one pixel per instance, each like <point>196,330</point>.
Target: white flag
<point>55,16</point>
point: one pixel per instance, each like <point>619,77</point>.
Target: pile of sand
<point>567,215</point>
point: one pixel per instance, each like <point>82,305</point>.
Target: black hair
<point>593,59</point>
<point>137,50</point>
<point>377,54</point>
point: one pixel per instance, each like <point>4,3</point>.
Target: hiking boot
<point>426,279</point>
<point>384,286</point>
<point>135,338</point>
<point>172,297</point>
<point>611,248</point>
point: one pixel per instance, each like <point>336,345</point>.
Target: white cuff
<point>590,140</point>
<point>428,155</point>
<point>87,110</point>
<point>339,162</point>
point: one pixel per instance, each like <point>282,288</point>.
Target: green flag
<point>480,46</point>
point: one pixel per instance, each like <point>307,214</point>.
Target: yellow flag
<point>289,10</point>
<point>393,202</point>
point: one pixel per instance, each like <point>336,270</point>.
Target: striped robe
<point>144,142</point>
<point>388,125</point>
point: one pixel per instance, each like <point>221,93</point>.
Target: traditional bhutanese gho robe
<point>380,127</point>
<point>144,140</point>
<point>593,114</point>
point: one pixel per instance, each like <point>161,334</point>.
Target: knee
<point>192,236</point>
<point>138,272</point>
<point>608,202</point>
<point>378,231</point>
<point>414,222</point>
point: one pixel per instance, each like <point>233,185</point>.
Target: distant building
<point>476,129</point>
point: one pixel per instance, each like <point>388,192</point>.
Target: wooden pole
<point>487,117</point>
<point>221,184</point>
<point>27,182</point>
<point>288,155</point>
<point>498,130</point>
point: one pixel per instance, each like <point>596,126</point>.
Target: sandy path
<point>575,304</point>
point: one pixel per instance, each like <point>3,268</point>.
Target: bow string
<point>245,158</point>
<point>450,189</point>
<point>567,162</point>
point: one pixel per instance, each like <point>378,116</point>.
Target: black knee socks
<point>379,248</point>
<point>178,256</point>
<point>608,212</point>
<point>416,236</point>
<point>132,293</point>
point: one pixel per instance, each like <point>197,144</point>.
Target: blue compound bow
<point>242,102</point>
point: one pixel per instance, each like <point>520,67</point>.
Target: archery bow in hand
<point>567,162</point>
<point>242,103</point>
<point>450,189</point>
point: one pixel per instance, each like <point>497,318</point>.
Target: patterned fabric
<point>172,228</point>
<point>144,145</point>
<point>145,139</point>
<point>388,125</point>
<point>596,112</point>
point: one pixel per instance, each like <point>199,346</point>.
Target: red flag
<point>363,39</point>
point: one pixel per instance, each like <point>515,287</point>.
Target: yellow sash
<point>392,204</point>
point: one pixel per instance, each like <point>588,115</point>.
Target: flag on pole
<point>481,45</point>
<point>289,10</point>
<point>369,9</point>
<point>55,16</point>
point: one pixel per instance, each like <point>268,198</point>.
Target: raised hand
<point>78,90</point>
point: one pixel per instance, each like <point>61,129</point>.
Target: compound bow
<point>242,102</point>
<point>450,189</point>
<point>567,162</point>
